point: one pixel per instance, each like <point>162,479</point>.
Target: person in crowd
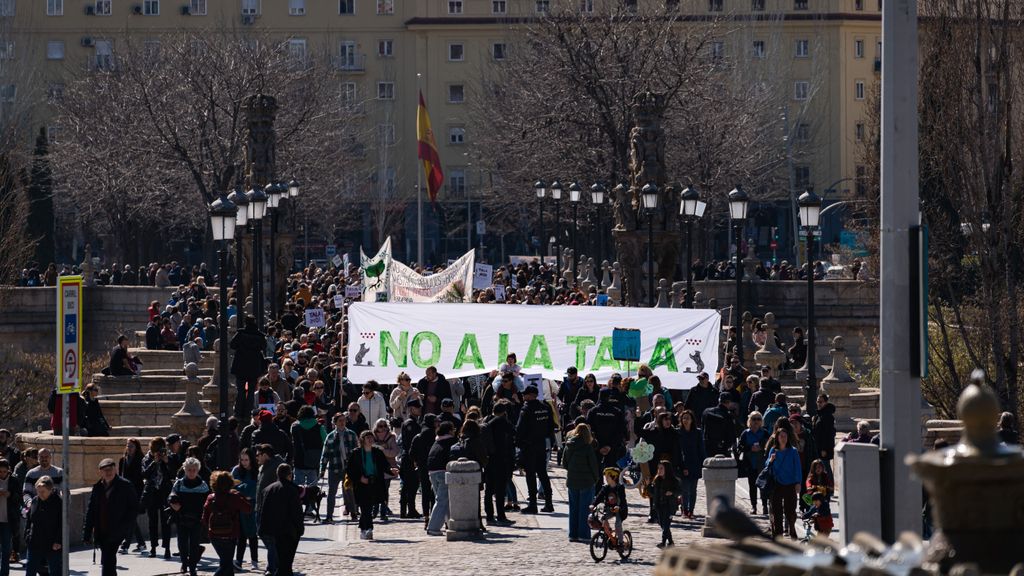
<point>500,458</point>
<point>752,445</point>
<point>43,529</point>
<point>29,460</point>
<point>355,420</point>
<point>188,495</point>
<point>157,477</point>
<point>153,331</point>
<point>448,413</point>
<point>701,397</point>
<point>249,345</point>
<point>420,452</point>
<point>612,498</point>
<point>265,394</point>
<point>385,440</point>
<point>366,470</point>
<point>269,433</point>
<point>823,425</point>
<point>278,383</point>
<point>10,508</point>
<point>218,458</point>
<point>719,429</point>
<point>371,403</point>
<point>122,363</point>
<point>307,446</point>
<point>76,413</point>
<point>1008,433</point>
<point>269,462</point>
<point>402,395</point>
<point>582,473</point>
<point>210,433</point>
<point>511,366</point>
<point>110,515</point>
<point>608,424</point>
<point>406,466</point>
<point>588,391</point>
<point>664,491</point>
<point>281,519</point>
<point>245,477</point>
<point>339,444</point>
<point>798,351</point>
<point>567,390</point>
<point>819,481</point>
<point>820,513</point>
<point>862,435</point>
<point>433,388</point>
<point>535,432</point>
<point>803,441</point>
<point>437,462</point>
<point>129,467</point>
<point>221,519</point>
<point>44,468</point>
<point>784,467</point>
<point>691,444</point>
<point>777,411</point>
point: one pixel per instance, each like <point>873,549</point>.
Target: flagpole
<point>419,192</point>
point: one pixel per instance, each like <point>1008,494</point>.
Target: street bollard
<point>720,475</point>
<point>463,479</point>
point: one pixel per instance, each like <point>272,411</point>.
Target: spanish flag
<point>427,151</point>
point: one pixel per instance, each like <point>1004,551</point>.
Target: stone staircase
<point>168,359</point>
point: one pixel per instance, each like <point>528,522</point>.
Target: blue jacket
<point>786,468</point>
<point>692,446</point>
<point>773,413</point>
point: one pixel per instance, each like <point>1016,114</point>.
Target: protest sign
<point>461,341</point>
<point>315,317</point>
<point>499,292</point>
<point>482,274</point>
<point>353,291</point>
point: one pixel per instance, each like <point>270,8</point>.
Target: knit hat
<point>266,417</point>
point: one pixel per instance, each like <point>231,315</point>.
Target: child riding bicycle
<point>612,498</point>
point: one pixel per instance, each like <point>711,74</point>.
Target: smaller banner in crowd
<point>453,284</point>
<point>465,340</point>
<point>375,271</point>
<point>482,274</point>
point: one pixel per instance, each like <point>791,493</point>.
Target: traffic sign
<point>69,334</point>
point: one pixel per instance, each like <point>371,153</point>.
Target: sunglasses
<point>353,410</point>
<point>318,387</point>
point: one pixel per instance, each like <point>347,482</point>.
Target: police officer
<point>719,427</point>
<point>535,428</point>
<point>501,456</point>
<point>608,423</point>
<point>406,466</point>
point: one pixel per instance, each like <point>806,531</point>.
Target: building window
<point>54,7</point>
<point>861,180</point>
<point>8,92</point>
<point>757,5</point>
<point>758,48</point>
<point>349,93</point>
<point>457,183</point>
<point>799,4</point>
<point>55,50</point>
<point>296,7</point>
<point>456,52</point>
<point>858,5</point>
<point>103,7</point>
<point>498,50</point>
<point>385,7</point>
<point>385,90</point>
<point>629,5</point>
<point>104,55</point>
<point>858,90</point>
<point>386,48</point>
<point>55,92</point>
<point>386,134</point>
<point>717,48</point>
<point>457,135</point>
<point>347,56</point>
<point>198,8</point>
<point>297,49</point>
<point>800,90</point>
<point>715,5</point>
<point>7,8</point>
<point>250,7</point>
<point>858,48</point>
<point>347,7</point>
<point>151,7</point>
<point>803,132</point>
<point>858,131</point>
<point>455,6</point>
<point>499,6</point>
<point>542,6</point>
<point>586,6</point>
<point>803,48</point>
<point>802,177</point>
<point>7,50</point>
<point>151,50</point>
<point>456,93</point>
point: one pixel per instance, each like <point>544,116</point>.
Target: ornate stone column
<point>190,421</point>
<point>770,355</point>
<point>720,475</point>
<point>839,385</point>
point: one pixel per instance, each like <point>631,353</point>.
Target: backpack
<point>222,522</point>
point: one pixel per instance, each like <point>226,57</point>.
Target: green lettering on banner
<point>537,354</point>
<point>395,349</point>
<point>581,343</point>
<point>435,349</point>
<point>663,355</point>
<point>502,348</point>
<point>603,357</point>
<point>469,353</point>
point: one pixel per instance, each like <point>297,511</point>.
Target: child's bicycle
<point>808,531</point>
<point>605,537</point>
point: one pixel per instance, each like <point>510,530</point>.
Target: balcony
<point>350,62</point>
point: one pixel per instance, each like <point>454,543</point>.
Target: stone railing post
<point>770,355</point>
<point>463,479</point>
<point>190,421</point>
<point>719,480</point>
<point>839,385</point>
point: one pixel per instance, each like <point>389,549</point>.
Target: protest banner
<point>375,271</point>
<point>462,341</point>
<point>453,284</point>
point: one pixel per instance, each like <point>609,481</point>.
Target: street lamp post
<point>556,195</point>
<point>688,208</point>
<point>293,196</point>
<point>649,194</point>
<point>237,197</point>
<point>223,217</point>
<point>738,201</point>
<point>597,192</point>
<point>810,213</point>
<point>274,191</point>
<point>257,208</point>
<point>540,189</point>
<point>574,197</point>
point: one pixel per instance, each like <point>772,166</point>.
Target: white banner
<point>453,284</point>
<point>375,271</point>
<point>467,339</point>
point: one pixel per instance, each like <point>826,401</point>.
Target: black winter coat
<point>121,507</point>
<point>282,504</point>
<point>700,399</point>
<point>269,433</point>
<point>502,444</point>
<point>44,526</point>
<point>376,490</point>
<point>719,431</point>
<point>440,454</point>
<point>249,345</point>
<point>421,449</point>
<point>824,426</point>
<point>157,478</point>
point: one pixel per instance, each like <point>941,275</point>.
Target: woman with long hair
<point>589,391</point>
<point>246,477</point>
<point>386,440</point>
<point>130,468</point>
<point>784,466</point>
<point>582,473</point>
<point>664,493</point>
<point>753,444</point>
<point>221,519</point>
<point>366,470</point>
<point>691,444</point>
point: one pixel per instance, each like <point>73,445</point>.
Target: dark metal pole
<point>224,452</point>
<point>688,303</point>
<point>575,233</point>
<point>543,240</point>
<point>600,238</point>
<point>273,265</point>
<point>650,259</point>
<point>738,322</point>
<point>558,241</point>
<point>257,272</point>
<point>812,379</point>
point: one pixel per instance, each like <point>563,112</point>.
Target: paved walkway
<point>533,545</point>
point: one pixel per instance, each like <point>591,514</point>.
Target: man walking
<point>281,503</point>
<point>110,516</point>
<point>719,427</point>
<point>406,465</point>
<point>437,464</point>
<point>269,462</point>
<point>501,455</point>
<point>536,427</point>
<point>339,444</point>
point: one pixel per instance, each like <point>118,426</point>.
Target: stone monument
<point>211,390</point>
<point>770,355</point>
<point>190,421</point>
<point>720,475</point>
<point>463,479</point>
<point>839,385</point>
<point>615,289</point>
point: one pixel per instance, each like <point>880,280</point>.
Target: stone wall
<point>28,316</point>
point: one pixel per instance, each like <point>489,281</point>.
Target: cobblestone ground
<point>534,545</point>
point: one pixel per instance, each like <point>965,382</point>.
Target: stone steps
<point>168,359</point>
<point>141,431</point>
<point>112,385</point>
<point>145,396</point>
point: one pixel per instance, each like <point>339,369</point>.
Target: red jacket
<point>233,504</point>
